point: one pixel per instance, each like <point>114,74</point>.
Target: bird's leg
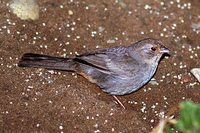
<point>119,102</point>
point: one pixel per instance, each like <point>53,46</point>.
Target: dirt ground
<point>39,100</point>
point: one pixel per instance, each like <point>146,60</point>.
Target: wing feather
<point>114,61</point>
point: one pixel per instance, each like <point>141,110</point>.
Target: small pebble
<point>196,73</point>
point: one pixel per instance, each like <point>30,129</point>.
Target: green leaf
<point>168,130</point>
<point>189,121</point>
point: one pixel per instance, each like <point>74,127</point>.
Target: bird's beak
<point>163,49</point>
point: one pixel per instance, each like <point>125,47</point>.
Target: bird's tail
<point>45,61</point>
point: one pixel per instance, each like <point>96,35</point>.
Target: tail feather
<point>45,61</point>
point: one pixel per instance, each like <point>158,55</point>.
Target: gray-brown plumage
<point>117,71</point>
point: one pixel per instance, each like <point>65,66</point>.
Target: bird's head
<point>150,50</point>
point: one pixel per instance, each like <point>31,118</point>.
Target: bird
<point>118,70</point>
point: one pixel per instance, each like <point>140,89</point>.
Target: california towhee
<point>117,71</point>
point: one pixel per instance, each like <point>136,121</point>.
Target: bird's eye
<point>153,48</point>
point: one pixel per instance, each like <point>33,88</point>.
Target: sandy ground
<point>39,100</point>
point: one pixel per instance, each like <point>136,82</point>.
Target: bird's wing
<point>111,61</point>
